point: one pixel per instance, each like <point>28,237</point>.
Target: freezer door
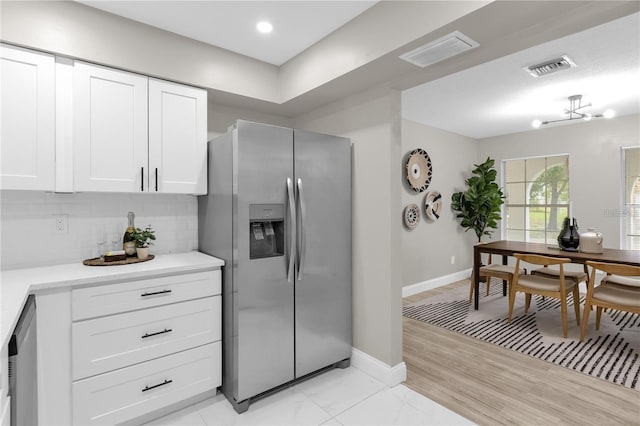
<point>323,281</point>
<point>263,298</point>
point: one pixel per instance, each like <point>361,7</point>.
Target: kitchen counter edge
<point>17,284</point>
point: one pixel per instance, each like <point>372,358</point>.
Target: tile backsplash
<point>28,227</point>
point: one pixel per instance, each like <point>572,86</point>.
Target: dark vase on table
<point>569,239</point>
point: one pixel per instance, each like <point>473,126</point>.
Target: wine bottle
<point>128,242</point>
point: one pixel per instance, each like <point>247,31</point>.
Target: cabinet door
<point>110,130</point>
<point>177,138</point>
<point>27,113</point>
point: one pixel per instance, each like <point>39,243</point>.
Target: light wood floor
<point>490,385</point>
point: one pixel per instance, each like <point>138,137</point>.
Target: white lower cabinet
<point>5,399</point>
<point>142,345</point>
<point>130,392</point>
<point>5,416</point>
<point>108,343</point>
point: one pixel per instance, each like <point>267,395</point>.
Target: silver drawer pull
<point>166,382</point>
<point>166,330</point>
<point>155,293</point>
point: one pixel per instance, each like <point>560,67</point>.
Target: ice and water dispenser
<point>266,230</point>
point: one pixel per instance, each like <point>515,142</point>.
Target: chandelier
<point>574,112</point>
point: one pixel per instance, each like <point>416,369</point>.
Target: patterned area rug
<point>610,353</point>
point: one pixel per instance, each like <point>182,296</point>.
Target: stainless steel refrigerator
<point>278,212</point>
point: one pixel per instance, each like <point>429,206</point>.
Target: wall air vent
<point>549,67</point>
<point>439,50</point>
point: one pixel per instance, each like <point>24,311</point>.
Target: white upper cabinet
<point>110,130</point>
<point>27,119</point>
<point>177,138</point>
<point>135,134</point>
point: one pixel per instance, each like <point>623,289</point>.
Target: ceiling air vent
<point>439,50</point>
<point>549,67</point>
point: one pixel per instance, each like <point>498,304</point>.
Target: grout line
<point>361,401</point>
<point>204,421</point>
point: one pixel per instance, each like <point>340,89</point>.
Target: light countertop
<point>17,284</point>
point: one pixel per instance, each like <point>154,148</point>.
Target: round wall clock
<point>411,216</point>
<point>419,170</point>
<point>433,205</point>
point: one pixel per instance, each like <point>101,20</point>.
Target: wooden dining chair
<point>617,292</point>
<point>575,276</point>
<point>503,272</point>
<point>613,280</point>
<point>557,288</point>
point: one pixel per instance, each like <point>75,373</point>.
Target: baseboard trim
<point>412,289</point>
<point>377,369</point>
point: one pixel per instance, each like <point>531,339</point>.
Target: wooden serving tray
<point>96,261</point>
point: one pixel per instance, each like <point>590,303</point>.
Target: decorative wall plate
<point>419,170</point>
<point>411,216</point>
<point>433,205</point>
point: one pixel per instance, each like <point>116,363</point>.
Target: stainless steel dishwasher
<point>23,378</point>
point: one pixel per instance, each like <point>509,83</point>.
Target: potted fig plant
<point>143,238</point>
<point>479,206</point>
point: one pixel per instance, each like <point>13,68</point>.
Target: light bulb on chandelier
<point>573,112</point>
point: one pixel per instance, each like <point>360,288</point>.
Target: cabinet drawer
<point>130,392</point>
<point>107,343</point>
<point>110,299</point>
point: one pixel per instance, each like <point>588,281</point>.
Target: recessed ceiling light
<point>264,27</point>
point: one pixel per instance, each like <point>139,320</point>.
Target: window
<point>631,210</point>
<point>537,198</point>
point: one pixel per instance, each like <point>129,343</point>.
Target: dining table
<point>507,248</point>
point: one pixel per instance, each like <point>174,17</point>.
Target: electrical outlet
<point>62,222</point>
<point>453,260</point>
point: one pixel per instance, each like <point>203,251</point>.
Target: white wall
<point>595,173</point>
<point>372,122</point>
<point>427,249</point>
<point>595,184</point>
<point>29,237</point>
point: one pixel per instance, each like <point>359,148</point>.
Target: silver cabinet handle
<point>303,232</point>
<point>292,221</point>
<point>142,179</point>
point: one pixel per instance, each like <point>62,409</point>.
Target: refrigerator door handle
<point>292,221</point>
<point>303,233</point>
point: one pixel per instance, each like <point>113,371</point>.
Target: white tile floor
<point>337,397</point>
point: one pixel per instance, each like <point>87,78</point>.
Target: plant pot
<point>143,252</point>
